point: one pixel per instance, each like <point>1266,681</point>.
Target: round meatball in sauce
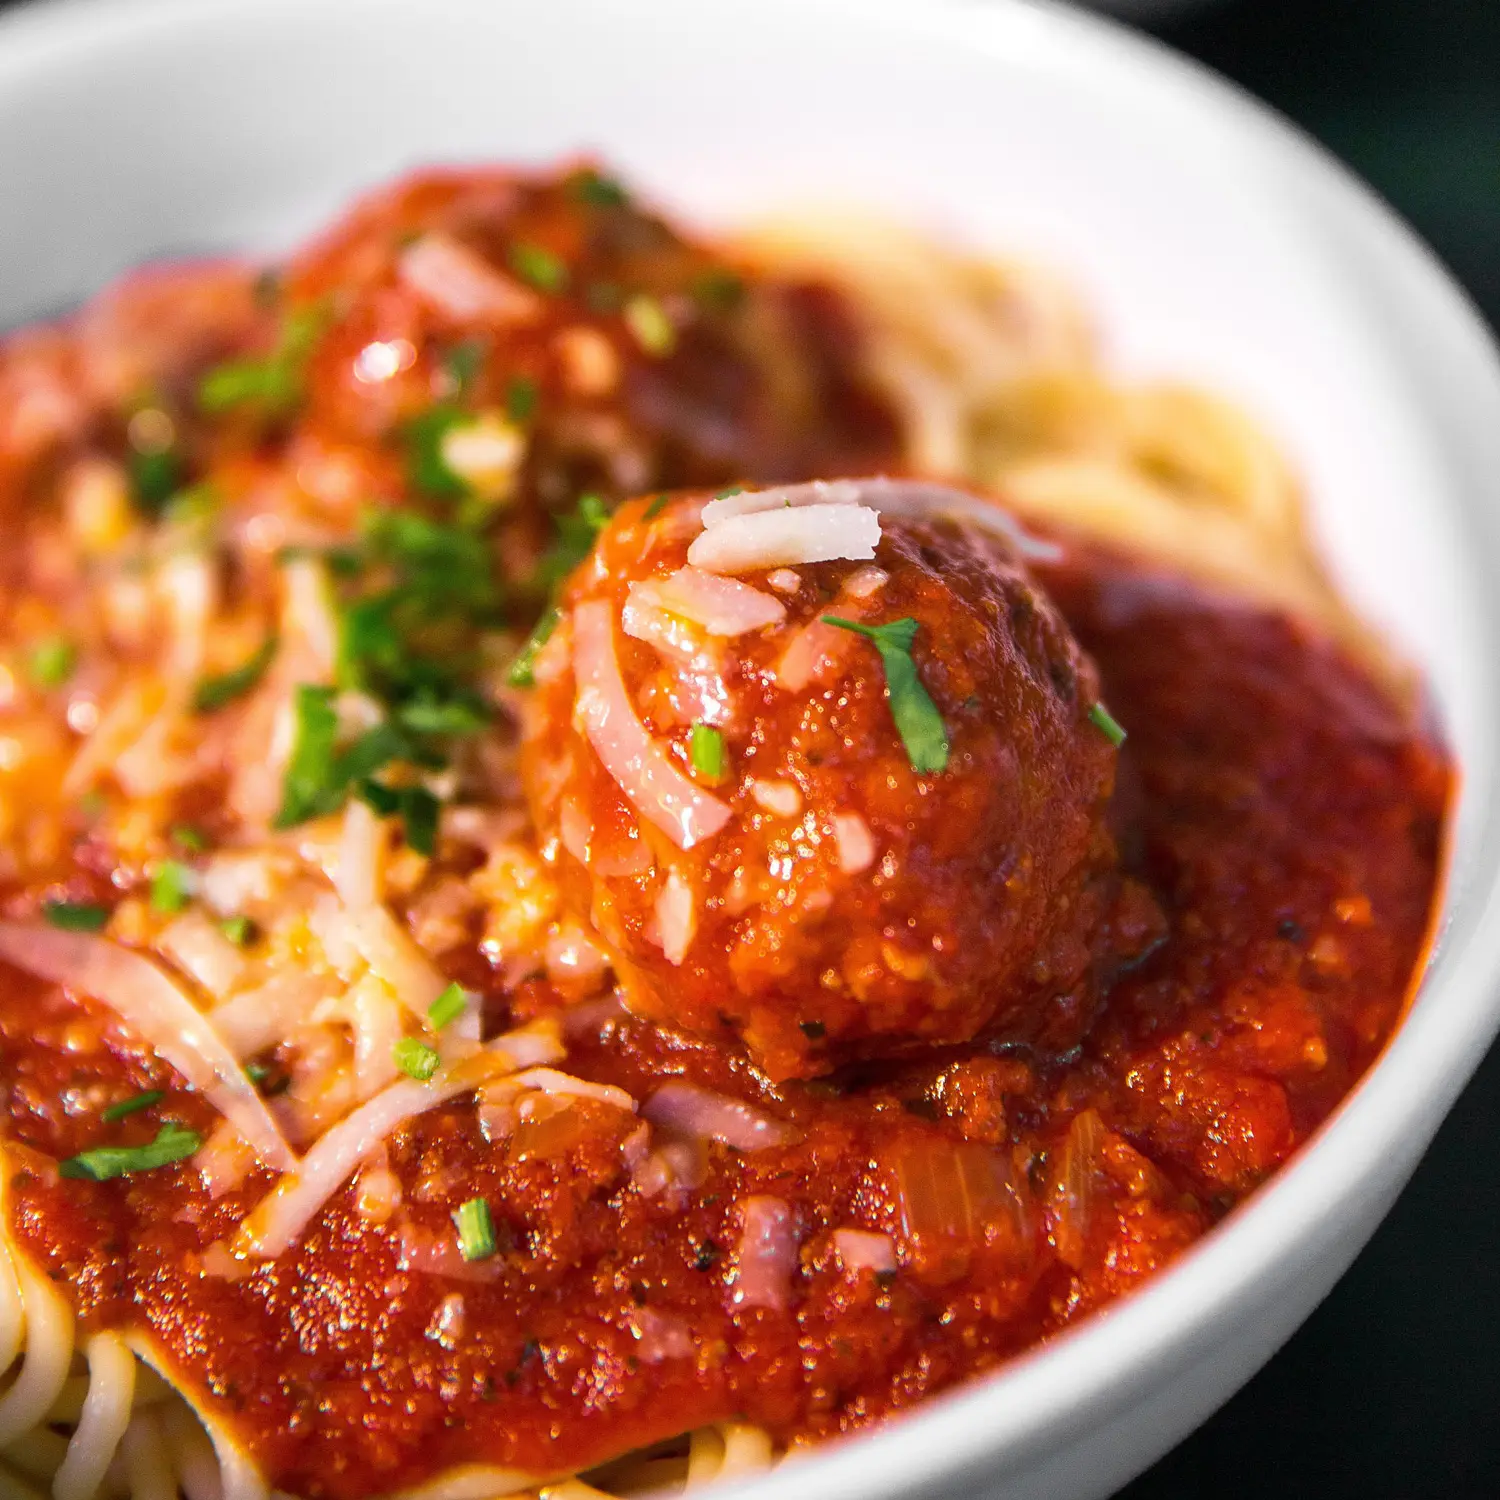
<point>829,779</point>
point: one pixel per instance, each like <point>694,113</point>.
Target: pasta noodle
<point>997,380</point>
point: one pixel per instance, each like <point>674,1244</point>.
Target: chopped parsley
<point>596,190</point>
<point>656,507</point>
<point>417,808</point>
<point>538,266</point>
<point>416,1059</point>
<point>476,1230</point>
<point>171,887</point>
<point>1106,723</point>
<point>718,291</point>
<point>706,750</point>
<point>522,671</point>
<point>132,1106</point>
<point>212,693</point>
<point>465,360</point>
<point>76,916</point>
<point>448,1006</point>
<point>239,931</point>
<point>185,836</point>
<point>734,489</point>
<point>311,786</point>
<point>172,1143</point>
<point>520,399</point>
<point>51,662</point>
<point>918,721</point>
<point>654,331</point>
<point>577,531</point>
<point>155,476</point>
<point>274,385</point>
<point>426,468</point>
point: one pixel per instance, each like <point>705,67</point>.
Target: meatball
<point>830,782</point>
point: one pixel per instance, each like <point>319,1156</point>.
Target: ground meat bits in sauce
<point>1277,822</point>
<point>851,906</point>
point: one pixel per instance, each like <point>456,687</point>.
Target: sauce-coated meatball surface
<point>825,779</point>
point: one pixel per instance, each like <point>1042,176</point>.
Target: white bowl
<point>1215,243</point>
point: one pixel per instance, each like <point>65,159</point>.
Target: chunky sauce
<point>1288,822</point>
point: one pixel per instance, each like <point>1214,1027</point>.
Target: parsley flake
<point>51,662</point>
<point>647,320</point>
<point>476,1230</point>
<point>172,1143</point>
<point>1107,725</point>
<point>539,266</point>
<point>706,750</point>
<point>416,1059</point>
<point>212,693</point>
<point>76,916</point>
<point>918,721</point>
<point>171,887</point>
<point>132,1106</point>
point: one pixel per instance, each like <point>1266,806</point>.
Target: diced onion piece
<point>856,844</point>
<point>676,913</point>
<point>566,1086</point>
<point>781,798</point>
<point>439,1255</point>
<point>1072,1186</point>
<point>952,1192</point>
<point>787,537</point>
<point>279,1220</point>
<point>705,1115</point>
<point>767,1254</point>
<point>784,580</point>
<point>866,582</point>
<point>722,606</point>
<point>639,766</point>
<point>783,497</point>
<point>159,1013</point>
<point>661,1336</point>
<point>463,284</point>
<point>862,1250</point>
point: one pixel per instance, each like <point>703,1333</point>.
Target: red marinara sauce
<point>1288,821</point>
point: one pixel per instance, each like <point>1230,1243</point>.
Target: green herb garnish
<point>522,671</point>
<point>171,887</point>
<point>464,362</point>
<point>155,476</point>
<point>172,1143</point>
<point>1106,723</point>
<point>417,808</point>
<point>718,291</point>
<point>448,1006</point>
<point>311,787</point>
<point>577,532</point>
<point>520,399</point>
<point>76,916</point>
<point>212,693</point>
<point>275,384</point>
<point>132,1106</point>
<point>476,1230</point>
<point>539,266</point>
<point>706,750</point>
<point>598,191</point>
<point>656,507</point>
<point>185,836</point>
<point>239,930</point>
<point>416,1059</point>
<point>654,331</point>
<point>918,721</point>
<point>51,662</point>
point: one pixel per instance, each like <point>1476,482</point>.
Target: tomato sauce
<point>1287,820</point>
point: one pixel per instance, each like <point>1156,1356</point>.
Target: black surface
<point>1391,1391</point>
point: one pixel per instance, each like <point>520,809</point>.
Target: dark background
<point>1391,1391</point>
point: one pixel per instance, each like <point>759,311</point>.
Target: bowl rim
<point>1082,1379</point>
